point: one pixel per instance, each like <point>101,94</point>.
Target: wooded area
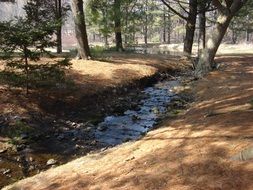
<point>171,80</point>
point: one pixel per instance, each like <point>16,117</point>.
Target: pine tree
<point>28,36</point>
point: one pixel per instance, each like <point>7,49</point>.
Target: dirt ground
<point>89,77</point>
<point>94,89</point>
<point>193,151</point>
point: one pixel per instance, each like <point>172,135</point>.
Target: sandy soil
<point>192,151</point>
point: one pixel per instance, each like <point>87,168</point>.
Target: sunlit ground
<point>177,49</point>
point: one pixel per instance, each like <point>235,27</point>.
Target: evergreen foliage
<point>28,37</point>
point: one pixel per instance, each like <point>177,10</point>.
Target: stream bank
<point>31,145</point>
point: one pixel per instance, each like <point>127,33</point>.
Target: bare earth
<point>192,151</point>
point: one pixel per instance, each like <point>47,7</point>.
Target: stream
<point>136,123</point>
<point>72,139</point>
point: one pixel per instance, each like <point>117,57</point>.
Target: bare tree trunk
<point>117,25</point>
<point>169,29</point>
<point>247,35</point>
<point>226,13</point>
<point>206,59</point>
<point>164,25</point>
<point>146,24</point>
<point>80,29</point>
<point>190,26</point>
<point>202,28</point>
<point>58,6</point>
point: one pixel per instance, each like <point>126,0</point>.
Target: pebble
<point>51,162</point>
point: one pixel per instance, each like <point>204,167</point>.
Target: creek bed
<point>135,123</point>
<point>70,139</point>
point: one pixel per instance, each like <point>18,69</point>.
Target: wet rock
<point>51,162</point>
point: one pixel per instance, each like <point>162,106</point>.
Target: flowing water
<point>135,123</point>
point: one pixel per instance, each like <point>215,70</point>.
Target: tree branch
<point>173,10</point>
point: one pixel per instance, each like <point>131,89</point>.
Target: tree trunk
<point>164,25</point>
<point>234,36</point>
<point>190,27</point>
<point>202,28</point>
<point>247,35</point>
<point>169,29</point>
<point>117,25</point>
<point>80,29</point>
<point>59,30</point>
<point>206,59</point>
<point>146,24</point>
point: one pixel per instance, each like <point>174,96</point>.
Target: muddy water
<point>135,123</point>
<point>69,139</point>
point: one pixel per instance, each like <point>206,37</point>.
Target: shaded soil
<point>193,151</point>
<point>31,126</point>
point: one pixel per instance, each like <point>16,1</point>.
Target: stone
<point>3,151</point>
<point>51,162</point>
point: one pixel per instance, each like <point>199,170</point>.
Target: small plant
<point>25,39</point>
